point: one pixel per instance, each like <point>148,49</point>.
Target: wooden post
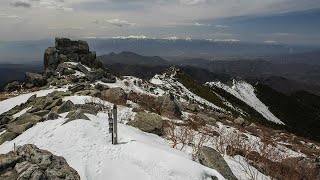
<point>115,125</point>
<point>110,125</point>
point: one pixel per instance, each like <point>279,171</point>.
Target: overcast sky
<point>201,19</point>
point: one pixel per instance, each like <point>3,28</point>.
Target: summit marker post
<point>115,125</point>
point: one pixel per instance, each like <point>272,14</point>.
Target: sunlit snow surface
<point>245,92</point>
<point>87,147</point>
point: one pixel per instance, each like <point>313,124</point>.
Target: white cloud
<point>200,24</point>
<point>220,26</point>
<point>192,2</point>
<point>120,22</point>
<point>8,16</point>
<point>66,28</point>
<point>270,42</point>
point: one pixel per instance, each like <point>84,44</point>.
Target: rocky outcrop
<point>212,159</point>
<point>151,123</point>
<point>12,86</point>
<point>35,80</point>
<point>29,162</point>
<point>115,95</point>
<point>168,107</point>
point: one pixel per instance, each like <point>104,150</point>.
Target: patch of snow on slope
<point>87,147</point>
<point>170,84</point>
<point>8,104</point>
<point>245,92</point>
<point>133,84</point>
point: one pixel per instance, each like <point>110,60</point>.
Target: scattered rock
<point>55,103</point>
<point>101,87</point>
<point>212,159</point>
<point>65,107</point>
<point>75,115</point>
<point>35,79</point>
<point>29,162</point>
<point>13,86</point>
<point>151,123</point>
<point>115,95</point>
<point>53,116</point>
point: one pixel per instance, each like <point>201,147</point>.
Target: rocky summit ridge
<point>67,62</point>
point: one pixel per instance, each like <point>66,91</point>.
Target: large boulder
<point>35,79</point>
<point>23,123</point>
<point>115,95</point>
<point>65,107</point>
<point>168,107</point>
<point>29,162</point>
<point>151,123</point>
<point>212,159</point>
<point>13,86</point>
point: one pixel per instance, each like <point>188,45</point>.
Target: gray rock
<point>55,103</point>
<point>89,108</point>
<point>93,92</point>
<point>52,116</point>
<point>239,121</point>
<point>82,69</point>
<point>23,123</point>
<point>210,120</point>
<point>169,107</point>
<point>29,162</point>
<point>95,75</point>
<point>75,115</point>
<point>65,107</point>
<point>34,109</point>
<point>68,72</point>
<point>107,80</point>
<point>35,79</point>
<point>7,136</point>
<point>58,94</point>
<point>101,87</point>
<point>13,86</point>
<point>115,95</point>
<point>32,98</point>
<point>77,87</point>
<point>41,113</point>
<point>147,122</point>
<point>212,159</point>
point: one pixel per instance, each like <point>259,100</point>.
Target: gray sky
<point>39,19</point>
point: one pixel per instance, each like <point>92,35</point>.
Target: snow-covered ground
<point>245,92</point>
<point>87,147</point>
<point>169,84</point>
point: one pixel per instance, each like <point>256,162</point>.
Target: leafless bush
<point>145,101</point>
<point>103,105</point>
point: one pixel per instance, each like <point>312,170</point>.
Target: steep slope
<point>246,92</point>
<point>299,111</point>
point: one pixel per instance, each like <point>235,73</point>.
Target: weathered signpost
<point>113,125</point>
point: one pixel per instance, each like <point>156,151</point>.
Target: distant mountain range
<point>22,51</point>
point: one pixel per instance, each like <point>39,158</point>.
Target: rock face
<point>147,122</point>
<point>66,50</point>
<point>29,162</point>
<point>212,159</point>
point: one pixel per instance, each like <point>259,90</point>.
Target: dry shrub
<point>145,101</point>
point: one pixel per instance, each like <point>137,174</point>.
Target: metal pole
<point>115,125</point>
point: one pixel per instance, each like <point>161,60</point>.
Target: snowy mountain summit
<point>55,126</point>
